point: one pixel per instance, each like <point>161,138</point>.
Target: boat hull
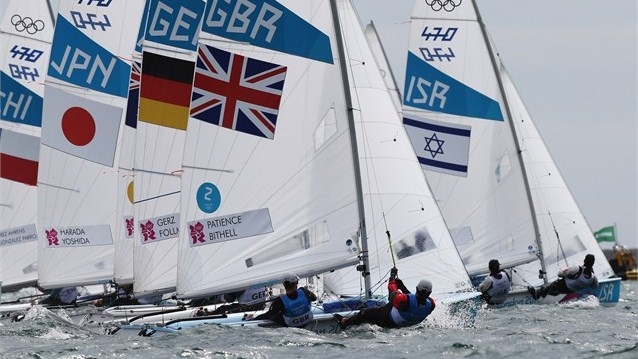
<point>460,304</point>
<point>607,292</point>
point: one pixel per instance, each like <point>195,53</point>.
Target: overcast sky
<point>574,64</point>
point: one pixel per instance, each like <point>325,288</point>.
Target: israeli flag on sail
<point>440,147</point>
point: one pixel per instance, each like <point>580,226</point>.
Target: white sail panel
<point>563,230</point>
<point>90,59</point>
<point>125,227</point>
<point>293,170</point>
<point>396,196</point>
<point>26,29</point>
<point>165,90</point>
<point>383,63</point>
<point>124,231</point>
<point>450,79</point>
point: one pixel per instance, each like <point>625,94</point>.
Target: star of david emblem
<point>431,143</point>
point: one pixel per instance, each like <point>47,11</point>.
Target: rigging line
<point>156,197</point>
<point>387,232</point>
<point>560,244</point>
<point>523,278</point>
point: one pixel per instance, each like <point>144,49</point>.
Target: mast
<point>365,268</point>
<point>51,12</point>
<point>519,153</point>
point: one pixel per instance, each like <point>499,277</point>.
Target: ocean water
<point>576,330</point>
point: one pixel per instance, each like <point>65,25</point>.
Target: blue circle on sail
<point>208,197</point>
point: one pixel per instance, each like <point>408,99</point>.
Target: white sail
<point>565,235</point>
<point>26,30</point>
<point>384,66</point>
<point>86,89</point>
<point>396,196</point>
<point>268,182</point>
<point>166,79</point>
<point>500,193</point>
<point>455,116</point>
<point>124,240</point>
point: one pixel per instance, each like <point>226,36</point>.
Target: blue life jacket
<point>297,312</point>
<point>415,313</point>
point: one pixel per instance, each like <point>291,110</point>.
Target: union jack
<point>133,94</point>
<point>237,92</point>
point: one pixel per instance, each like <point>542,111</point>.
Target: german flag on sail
<point>165,90</point>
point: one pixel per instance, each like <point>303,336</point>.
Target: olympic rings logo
<point>447,5</point>
<point>26,24</point>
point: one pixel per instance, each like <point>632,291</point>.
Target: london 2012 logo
<point>26,24</point>
<point>447,5</point>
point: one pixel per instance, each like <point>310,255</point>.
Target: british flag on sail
<point>237,92</point>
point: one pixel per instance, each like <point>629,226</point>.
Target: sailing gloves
<point>393,273</point>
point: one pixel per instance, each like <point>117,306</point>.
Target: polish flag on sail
<point>80,127</point>
<point>19,157</point>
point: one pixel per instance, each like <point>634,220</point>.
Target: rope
<point>387,232</point>
<point>523,278</point>
<point>560,245</point>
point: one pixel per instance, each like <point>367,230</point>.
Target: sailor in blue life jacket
<point>403,309</point>
<point>570,280</point>
<point>496,285</point>
<point>292,309</point>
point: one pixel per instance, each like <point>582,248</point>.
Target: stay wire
<point>560,244</point>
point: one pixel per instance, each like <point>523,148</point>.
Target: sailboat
<point>85,93</point>
<point>26,30</point>
<point>405,228</point>
<point>255,187</point>
<point>497,186</point>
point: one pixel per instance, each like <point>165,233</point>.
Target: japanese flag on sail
<point>19,157</point>
<point>80,127</point>
<point>440,147</point>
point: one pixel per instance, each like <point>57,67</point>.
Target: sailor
<point>570,280</point>
<point>61,297</point>
<point>403,309</point>
<point>496,285</point>
<point>292,309</point>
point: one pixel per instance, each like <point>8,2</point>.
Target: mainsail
<point>124,237</point>
<point>268,183</point>
<point>565,234</point>
<point>455,115</point>
<point>497,186</point>
<point>85,93</point>
<point>168,62</point>
<point>399,207</point>
<point>26,30</point>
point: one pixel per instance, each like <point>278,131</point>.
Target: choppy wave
<point>583,329</point>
